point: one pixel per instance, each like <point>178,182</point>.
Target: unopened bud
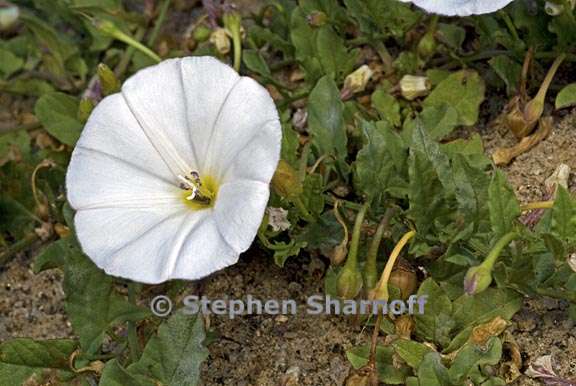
<point>61,230</point>
<point>356,82</point>
<point>108,80</point>
<point>285,181</point>
<point>317,19</point>
<point>9,14</point>
<point>85,109</point>
<point>477,279</point>
<point>221,41</point>
<point>427,45</point>
<point>412,87</point>
<point>202,33</point>
<point>349,283</point>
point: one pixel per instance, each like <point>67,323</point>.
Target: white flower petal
<point>114,164</point>
<point>258,160</point>
<point>247,111</point>
<point>205,96</point>
<point>461,7</point>
<point>152,247</point>
<point>239,211</point>
<point>156,97</point>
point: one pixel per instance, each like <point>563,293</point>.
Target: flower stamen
<point>198,192</point>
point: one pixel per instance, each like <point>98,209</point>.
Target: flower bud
<point>356,82</point>
<point>317,19</point>
<point>477,279</point>
<point>108,81</point>
<point>427,45</point>
<point>202,33</point>
<point>9,14</point>
<point>412,87</point>
<point>221,41</point>
<point>285,181</point>
<point>84,109</point>
<point>349,282</point>
<point>61,230</point>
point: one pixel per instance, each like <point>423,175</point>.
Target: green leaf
<point>566,97</point>
<point>436,323</point>
<point>503,205</point>
<point>507,69</point>
<point>12,375</point>
<point>333,55</point>
<point>387,373</point>
<point>387,106</point>
<point>432,372</point>
<point>464,91</point>
<point>410,351</point>
<point>325,120</point>
<point>91,302</point>
<point>52,353</point>
<point>256,63</point>
<point>472,356</point>
<point>174,355</point>
<point>52,256</point>
<point>10,63</point>
<point>431,150</point>
<point>58,113</point>
<point>116,375</point>
<point>563,216</point>
<point>304,41</point>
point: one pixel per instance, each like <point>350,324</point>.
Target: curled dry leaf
<point>503,156</point>
<point>558,178</point>
<point>543,370</point>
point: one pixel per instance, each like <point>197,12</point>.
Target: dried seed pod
<point>404,278</point>
<point>221,41</point>
<point>356,82</point>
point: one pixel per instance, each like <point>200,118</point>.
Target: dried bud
<point>221,41</point>
<point>9,14</point>
<point>404,326</point>
<point>522,118</point>
<point>317,19</point>
<point>349,282</point>
<point>339,253</point>
<point>477,279</point>
<point>405,280</point>
<point>61,230</point>
<point>552,8</point>
<point>285,181</point>
<point>412,87</point>
<point>356,82</point>
<point>108,81</point>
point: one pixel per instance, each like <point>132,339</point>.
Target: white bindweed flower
<point>170,177</point>
<point>460,7</point>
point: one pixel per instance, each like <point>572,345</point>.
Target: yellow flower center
<point>198,193</point>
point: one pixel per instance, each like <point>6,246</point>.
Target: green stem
<point>541,95</point>
<point>510,25</point>
<point>18,246</point>
<point>159,21</point>
<point>371,269</point>
<point>352,260</point>
<point>237,42</point>
<point>497,250</point>
<point>128,54</point>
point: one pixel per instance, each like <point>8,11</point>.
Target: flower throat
<point>199,193</point>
